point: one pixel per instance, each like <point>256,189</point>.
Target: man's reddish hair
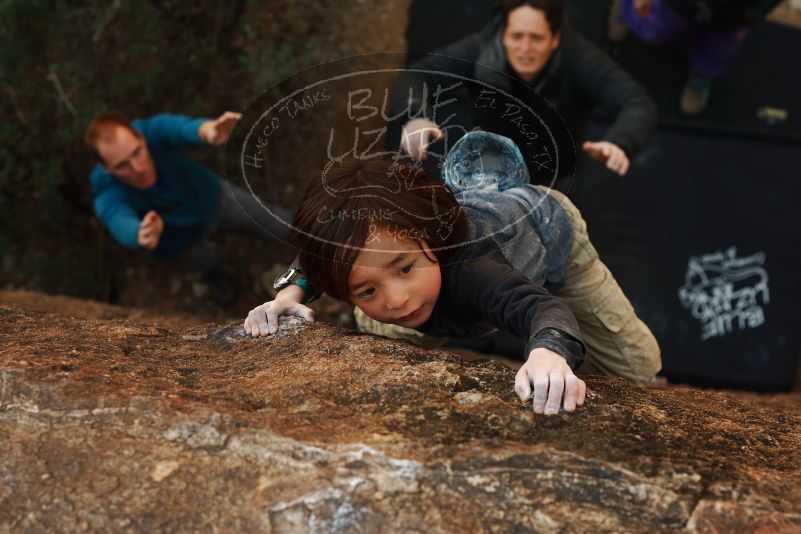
<point>104,127</point>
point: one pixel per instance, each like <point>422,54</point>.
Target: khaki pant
<point>618,343</point>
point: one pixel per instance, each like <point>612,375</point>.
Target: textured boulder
<point>115,422</point>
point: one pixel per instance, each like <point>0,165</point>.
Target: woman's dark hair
<point>352,199</point>
<point>553,9</point>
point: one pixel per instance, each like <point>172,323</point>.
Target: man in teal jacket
<point>153,197</point>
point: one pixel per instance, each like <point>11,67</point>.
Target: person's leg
<point>616,28</point>
<point>242,212</point>
<point>205,259</point>
<point>618,342</point>
<point>659,27</point>
<point>711,53</point>
<point>238,211</point>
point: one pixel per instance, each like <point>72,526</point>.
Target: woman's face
<point>528,41</point>
<point>394,281</point>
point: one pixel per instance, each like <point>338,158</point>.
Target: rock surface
<point>109,422</point>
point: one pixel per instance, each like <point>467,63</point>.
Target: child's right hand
<point>548,374</point>
<point>263,320</point>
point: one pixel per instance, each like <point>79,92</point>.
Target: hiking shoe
<point>695,95</point>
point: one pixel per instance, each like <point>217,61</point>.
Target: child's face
<point>394,281</point>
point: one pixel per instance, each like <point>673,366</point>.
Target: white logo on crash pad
<point>726,293</point>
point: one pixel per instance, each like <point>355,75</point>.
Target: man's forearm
<point>122,223</point>
<point>633,127</point>
<point>203,132</point>
<point>173,130</point>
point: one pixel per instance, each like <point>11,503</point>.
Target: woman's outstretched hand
<point>547,379</point>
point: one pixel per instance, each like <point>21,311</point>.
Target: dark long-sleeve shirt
<point>482,292</point>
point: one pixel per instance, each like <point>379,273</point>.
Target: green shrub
<point>63,62</point>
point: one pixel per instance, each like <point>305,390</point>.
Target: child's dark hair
<point>351,199</point>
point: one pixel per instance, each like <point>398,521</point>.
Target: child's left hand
<point>551,377</point>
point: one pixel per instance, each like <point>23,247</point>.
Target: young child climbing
<point>419,264</point>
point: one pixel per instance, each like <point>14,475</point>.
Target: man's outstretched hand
<point>616,160</point>
<point>150,230</point>
<point>216,132</point>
